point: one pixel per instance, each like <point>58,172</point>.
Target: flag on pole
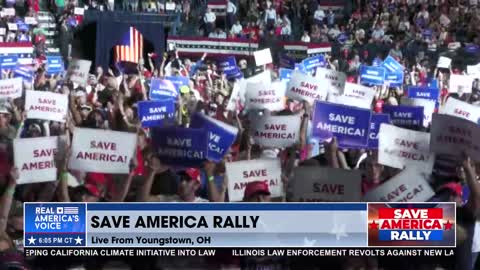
<point>131,47</point>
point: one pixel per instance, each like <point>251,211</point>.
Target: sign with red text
<point>458,108</point>
<point>11,88</point>
<point>355,95</point>
<point>102,151</point>
<point>460,83</point>
<point>46,105</point>
<point>407,186</point>
<point>323,184</point>
<point>78,71</point>
<point>265,77</point>
<point>333,80</point>
<point>241,173</point>
<point>260,96</point>
<point>34,158</point>
<point>452,136</point>
<point>400,147</point>
<point>305,87</point>
<point>276,131</point>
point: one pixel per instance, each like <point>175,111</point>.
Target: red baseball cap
<point>255,187</point>
<point>93,190</point>
<point>453,186</point>
<point>193,173</point>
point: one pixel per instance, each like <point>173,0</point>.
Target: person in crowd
<point>209,19</point>
<point>237,29</point>
<point>231,11</point>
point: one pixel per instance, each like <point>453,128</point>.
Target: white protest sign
<point>460,83</point>
<point>444,62</point>
<point>3,31</point>
<point>473,70</point>
<point>261,96</point>
<point>103,151</point>
<point>11,88</point>
<point>399,148</point>
<point>427,104</point>
<point>78,71</point>
<point>265,77</point>
<point>355,95</point>
<point>241,173</point>
<point>234,97</point>
<point>9,11</point>
<point>263,57</point>
<point>305,87</point>
<point>79,11</point>
<point>30,20</point>
<point>452,136</point>
<point>46,105</point>
<point>34,158</point>
<point>276,131</point>
<point>12,26</point>
<point>323,184</point>
<point>458,108</point>
<point>333,80</point>
<point>408,186</point>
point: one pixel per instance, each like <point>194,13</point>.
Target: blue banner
<point>349,124</point>
<point>405,116</point>
<point>394,79</point>
<point>228,65</point>
<point>178,81</point>
<point>285,74</point>
<point>300,67</point>
<point>287,61</point>
<point>162,89</point>
<point>423,92</point>
<point>8,62</point>
<point>24,72</point>
<point>312,63</point>
<point>220,135</point>
<point>235,74</point>
<point>55,65</point>
<point>372,75</point>
<point>392,65</point>
<point>184,147</point>
<point>156,113</point>
<point>377,119</point>
<point>377,62</point>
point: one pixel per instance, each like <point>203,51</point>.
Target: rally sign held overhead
<point>423,92</point>
<point>78,71</point>
<point>262,96</point>
<point>220,135</point>
<point>34,158</point>
<point>162,89</point>
<point>375,122</point>
<point>313,62</point>
<point>405,116</point>
<point>428,106</point>
<point>407,186</point>
<point>156,113</point>
<point>444,62</point>
<point>394,72</point>
<point>372,75</point>
<point>55,65</point>
<point>323,184</point>
<point>8,62</point>
<point>305,87</point>
<point>11,88</point>
<point>460,83</point>
<point>454,136</point>
<point>399,148</point>
<point>263,57</point>
<point>186,147</point>
<point>357,95</point>
<point>333,80</point>
<point>46,105</point>
<point>349,124</point>
<point>285,74</point>
<point>276,131</point>
<point>102,151</point>
<point>240,173</point>
<point>458,108</point>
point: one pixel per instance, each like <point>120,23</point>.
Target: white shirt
<point>231,8</point>
<point>270,14</point>
<point>476,238</point>
<point>286,30</point>
<point>319,15</point>
<point>305,38</point>
<point>236,28</point>
<point>209,17</point>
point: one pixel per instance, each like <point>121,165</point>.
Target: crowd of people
<point>413,32</point>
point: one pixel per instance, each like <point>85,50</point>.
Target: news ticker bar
<point>240,252</point>
<point>193,225</point>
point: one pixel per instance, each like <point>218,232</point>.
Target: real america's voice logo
<point>407,224</point>
<point>60,225</point>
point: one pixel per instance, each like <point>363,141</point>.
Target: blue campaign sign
<point>55,65</point>
<point>55,224</point>
<point>235,74</point>
<point>156,113</point>
<point>220,135</point>
<point>372,75</point>
<point>184,147</point>
<point>300,67</point>
<point>423,92</point>
<point>8,62</point>
<point>228,65</point>
<point>377,119</point>
<point>178,81</point>
<point>285,74</point>
<point>287,61</point>
<point>405,116</point>
<point>313,62</point>
<point>162,89</point>
<point>394,79</point>
<point>392,65</point>
<point>349,124</point>
<point>377,62</point>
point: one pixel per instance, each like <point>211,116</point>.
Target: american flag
<point>131,47</point>
<point>22,50</point>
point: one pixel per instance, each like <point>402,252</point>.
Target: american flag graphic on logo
<point>131,47</point>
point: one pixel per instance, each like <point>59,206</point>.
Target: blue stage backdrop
<point>111,26</point>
